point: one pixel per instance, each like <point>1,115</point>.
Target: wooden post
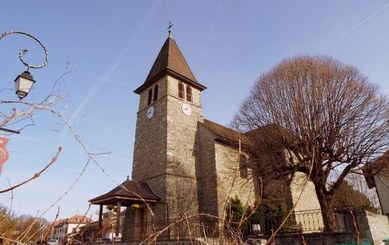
<point>101,219</point>
<point>118,208</point>
<point>100,216</point>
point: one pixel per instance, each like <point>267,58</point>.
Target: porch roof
<point>128,193</point>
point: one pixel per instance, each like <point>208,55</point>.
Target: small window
<point>243,166</point>
<point>155,92</point>
<point>149,96</point>
<point>189,93</point>
<point>181,90</point>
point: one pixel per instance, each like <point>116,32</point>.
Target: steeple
<point>170,61</point>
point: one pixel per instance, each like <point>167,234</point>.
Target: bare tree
<point>340,120</point>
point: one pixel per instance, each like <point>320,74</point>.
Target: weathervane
<point>169,28</point>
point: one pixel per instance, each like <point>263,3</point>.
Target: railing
<point>307,221</point>
<point>194,228</point>
<point>297,222</point>
<point>168,230</point>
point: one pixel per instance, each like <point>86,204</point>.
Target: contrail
<point>106,77</point>
<point>366,19</point>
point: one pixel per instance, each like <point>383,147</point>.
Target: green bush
<point>270,213</point>
<point>237,216</point>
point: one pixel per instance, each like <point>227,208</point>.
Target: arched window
<point>181,90</point>
<point>188,93</point>
<point>243,166</point>
<point>149,96</point>
<point>155,92</point>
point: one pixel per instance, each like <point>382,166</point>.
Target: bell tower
<point>165,150</point>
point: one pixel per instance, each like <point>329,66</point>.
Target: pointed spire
<point>170,61</point>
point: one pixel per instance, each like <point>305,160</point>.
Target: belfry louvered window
<point>181,90</point>
<point>188,93</point>
<point>150,95</point>
<point>155,92</point>
<point>185,92</point>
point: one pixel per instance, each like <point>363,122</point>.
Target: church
<point>185,168</point>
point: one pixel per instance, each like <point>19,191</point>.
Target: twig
<point>357,232</point>
<point>36,175</point>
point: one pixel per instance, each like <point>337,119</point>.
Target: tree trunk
<point>325,201</point>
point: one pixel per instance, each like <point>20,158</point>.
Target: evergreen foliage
<point>237,216</point>
<point>348,198</point>
<point>270,214</point>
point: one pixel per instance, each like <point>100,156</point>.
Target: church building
<point>185,168</point>
<point>190,162</point>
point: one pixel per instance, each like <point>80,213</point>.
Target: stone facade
<point>303,193</point>
<point>164,152</point>
<point>218,175</point>
<point>181,158</point>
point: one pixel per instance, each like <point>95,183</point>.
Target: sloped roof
<point>127,193</point>
<point>274,135</point>
<point>225,134</point>
<point>76,219</point>
<point>170,61</point>
<point>378,167</point>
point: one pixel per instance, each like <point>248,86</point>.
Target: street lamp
<point>23,84</point>
<point>25,81</point>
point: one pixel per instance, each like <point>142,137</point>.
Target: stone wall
<point>303,193</point>
<point>165,150</point>
<point>305,200</point>
<point>229,181</point>
<point>207,185</point>
<point>150,140</point>
<point>378,227</point>
<point>182,152</point>
<point>322,238</point>
<point>218,176</point>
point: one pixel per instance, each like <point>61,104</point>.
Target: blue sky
<point>109,48</point>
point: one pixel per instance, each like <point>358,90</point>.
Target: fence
<point>298,222</point>
<point>307,221</point>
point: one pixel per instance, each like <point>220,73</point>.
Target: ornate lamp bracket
<point>23,51</point>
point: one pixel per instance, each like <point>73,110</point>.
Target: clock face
<point>186,109</point>
<point>150,112</point>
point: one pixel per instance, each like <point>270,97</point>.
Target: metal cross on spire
<point>169,28</point>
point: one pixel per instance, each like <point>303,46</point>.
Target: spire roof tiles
<point>170,61</point>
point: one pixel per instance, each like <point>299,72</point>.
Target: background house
<point>377,176</point>
<point>67,228</point>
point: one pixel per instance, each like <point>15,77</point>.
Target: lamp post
<point>25,81</point>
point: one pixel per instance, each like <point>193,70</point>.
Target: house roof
<point>76,219</point>
<point>127,193</point>
<point>170,61</point>
<point>378,167</point>
<point>227,135</point>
